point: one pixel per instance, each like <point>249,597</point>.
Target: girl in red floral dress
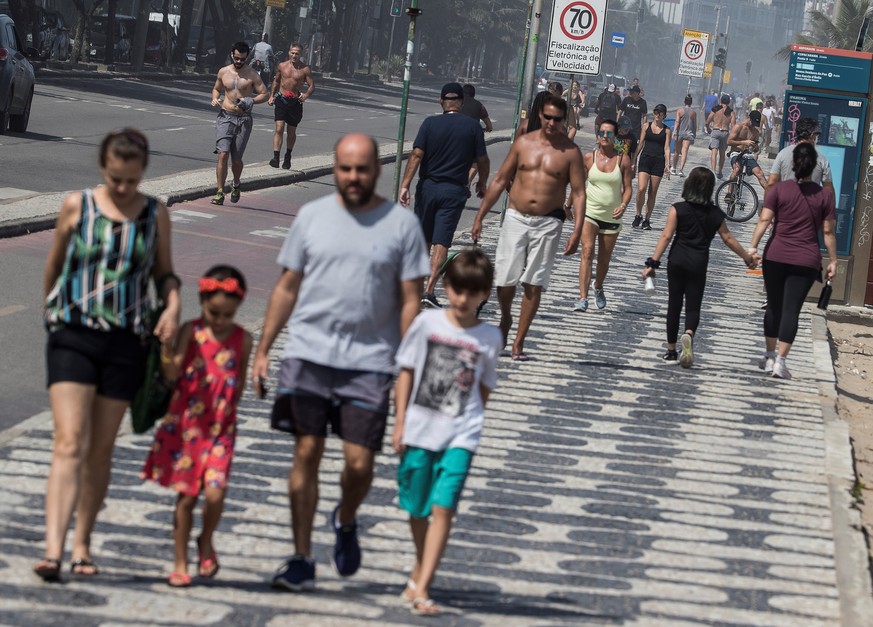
<point>194,443</point>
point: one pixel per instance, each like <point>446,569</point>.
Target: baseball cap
<point>611,87</point>
<point>625,122</point>
<point>635,88</point>
<point>755,118</point>
<point>452,89</point>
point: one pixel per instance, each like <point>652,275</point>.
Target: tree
<point>841,32</point>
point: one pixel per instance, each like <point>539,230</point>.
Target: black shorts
<point>353,402</point>
<point>288,110</point>
<point>113,361</point>
<point>653,166</point>
<point>439,207</point>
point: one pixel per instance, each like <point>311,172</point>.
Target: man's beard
<point>357,200</point>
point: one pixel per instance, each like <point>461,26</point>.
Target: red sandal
<point>209,565</point>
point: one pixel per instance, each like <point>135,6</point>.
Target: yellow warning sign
<point>707,70</point>
<point>276,4</point>
<point>727,77</point>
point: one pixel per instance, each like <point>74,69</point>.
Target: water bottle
<point>825,296</point>
<point>650,286</point>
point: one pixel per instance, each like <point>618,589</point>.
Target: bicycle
<point>737,198</point>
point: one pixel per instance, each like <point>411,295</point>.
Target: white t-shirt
<point>445,408</point>
<point>347,314</point>
<point>770,114</point>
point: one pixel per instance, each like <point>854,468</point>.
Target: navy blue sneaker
<point>296,574</point>
<point>346,551</point>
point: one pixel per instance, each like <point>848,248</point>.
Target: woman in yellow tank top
<point>607,195</point>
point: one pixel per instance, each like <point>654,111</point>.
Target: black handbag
<point>152,400</point>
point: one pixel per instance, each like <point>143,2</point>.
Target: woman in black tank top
<point>654,161</point>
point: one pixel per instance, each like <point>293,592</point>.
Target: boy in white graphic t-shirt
<point>448,362</point>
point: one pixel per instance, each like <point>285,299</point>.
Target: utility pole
<point>519,91</point>
<point>268,22</point>
<point>530,62</point>
<point>413,12</point>
<point>712,56</point>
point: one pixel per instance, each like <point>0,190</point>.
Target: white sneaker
<point>686,357</point>
<point>766,361</point>
<point>680,173</point>
<point>780,371</point>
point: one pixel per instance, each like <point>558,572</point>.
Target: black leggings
<point>787,286</point>
<point>684,285</point>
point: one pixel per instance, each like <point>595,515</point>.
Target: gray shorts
<point>232,133</point>
<point>354,403</point>
<point>686,136</point>
<point>718,139</point>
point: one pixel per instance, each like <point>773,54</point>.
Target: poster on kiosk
<point>841,121</point>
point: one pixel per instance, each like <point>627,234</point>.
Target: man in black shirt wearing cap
<point>636,109</point>
<point>445,148</point>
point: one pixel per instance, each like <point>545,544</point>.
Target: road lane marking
<point>170,130</point>
<point>232,240</point>
<point>12,309</point>
<point>276,232</point>
<point>192,213</point>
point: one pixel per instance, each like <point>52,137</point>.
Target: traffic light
<point>396,8</point>
<point>720,58</point>
<point>749,66</point>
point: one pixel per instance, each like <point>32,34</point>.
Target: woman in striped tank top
<point>109,241</point>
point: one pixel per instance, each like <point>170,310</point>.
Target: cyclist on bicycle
<point>744,138</point>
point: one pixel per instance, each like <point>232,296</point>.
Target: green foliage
<point>840,33</point>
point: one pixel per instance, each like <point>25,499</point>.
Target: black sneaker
<point>286,162</point>
<point>637,221</point>
<point>274,163</point>
<point>646,226</point>
<point>296,574</point>
<point>670,357</point>
<point>218,199</point>
<point>234,193</point>
<point>346,551</point>
<point>429,301</point>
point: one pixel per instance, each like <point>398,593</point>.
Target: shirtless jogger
<point>539,164</point>
<point>286,95</point>
<point>233,126</point>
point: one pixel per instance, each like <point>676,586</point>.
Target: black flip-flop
<point>79,565</point>
<point>48,569</point>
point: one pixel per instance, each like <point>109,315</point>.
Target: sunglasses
<point>451,97</point>
<point>606,133</point>
<point>659,112</point>
<point>553,118</point>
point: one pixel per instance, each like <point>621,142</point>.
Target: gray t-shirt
<point>347,314</point>
<point>784,160</point>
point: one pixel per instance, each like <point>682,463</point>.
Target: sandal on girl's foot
<point>425,607</point>
<point>85,567</point>
<point>209,566</point>
<point>179,580</point>
<point>48,569</point>
<point>408,593</point>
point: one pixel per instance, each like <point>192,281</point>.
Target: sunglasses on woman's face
<point>553,118</point>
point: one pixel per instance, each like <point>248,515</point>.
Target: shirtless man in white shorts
<point>539,165</point>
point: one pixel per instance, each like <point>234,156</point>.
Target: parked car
<point>121,40</point>
<point>207,56</point>
<point>17,79</point>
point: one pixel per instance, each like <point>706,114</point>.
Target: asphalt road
<point>70,116</point>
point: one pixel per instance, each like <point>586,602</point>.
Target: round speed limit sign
<point>694,49</point>
<point>578,21</point>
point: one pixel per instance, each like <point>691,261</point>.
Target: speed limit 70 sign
<point>692,55</point>
<point>576,36</point>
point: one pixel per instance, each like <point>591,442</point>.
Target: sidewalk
<point>609,488</point>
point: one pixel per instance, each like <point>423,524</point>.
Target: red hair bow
<point>229,285</point>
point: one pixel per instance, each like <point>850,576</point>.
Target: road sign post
<point>616,40</point>
<point>692,54</point>
<point>576,36</point>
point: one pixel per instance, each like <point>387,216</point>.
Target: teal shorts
<point>427,478</point>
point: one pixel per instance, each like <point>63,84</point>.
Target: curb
<point>850,546</point>
<point>260,177</point>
